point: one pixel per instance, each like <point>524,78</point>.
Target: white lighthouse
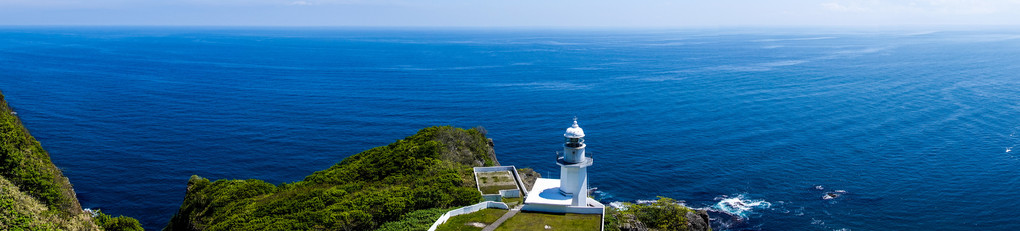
<point>574,165</point>
<point>569,194</point>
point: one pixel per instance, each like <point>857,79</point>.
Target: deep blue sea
<point>912,129</point>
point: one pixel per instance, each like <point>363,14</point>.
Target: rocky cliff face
<point>698,220</point>
<point>664,214</point>
<point>693,221</point>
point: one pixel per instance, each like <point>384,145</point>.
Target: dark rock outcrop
<point>695,221</point>
<point>698,220</point>
<point>529,176</point>
<point>664,214</point>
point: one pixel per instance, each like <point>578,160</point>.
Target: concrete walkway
<point>505,217</point>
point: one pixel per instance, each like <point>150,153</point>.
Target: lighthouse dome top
<point>574,131</point>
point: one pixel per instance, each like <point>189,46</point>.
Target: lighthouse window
<point>574,140</point>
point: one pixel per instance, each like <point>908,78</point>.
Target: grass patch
<point>513,201</point>
<point>492,182</point>
<point>538,221</point>
<point>463,222</point>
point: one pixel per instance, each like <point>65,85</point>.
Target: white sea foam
<point>739,206</point>
<point>91,212</point>
<point>617,205</point>
<point>644,201</point>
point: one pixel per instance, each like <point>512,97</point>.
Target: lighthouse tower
<point>569,194</point>
<point>574,166</point>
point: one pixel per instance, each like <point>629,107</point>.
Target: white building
<point>570,193</point>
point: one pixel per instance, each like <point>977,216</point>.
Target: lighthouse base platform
<point>546,196</point>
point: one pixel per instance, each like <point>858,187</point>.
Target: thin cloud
<point>939,7</point>
<point>835,6</point>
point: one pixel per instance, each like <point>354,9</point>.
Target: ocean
<point>910,129</point>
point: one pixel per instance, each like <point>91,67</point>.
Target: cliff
<point>665,214</point>
<point>405,185</point>
<point>403,180</point>
<point>34,194</point>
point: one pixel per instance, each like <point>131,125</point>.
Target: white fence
<point>492,197</point>
<point>467,209</point>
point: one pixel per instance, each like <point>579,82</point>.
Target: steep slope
<point>664,214</point>
<point>34,194</point>
<point>20,211</point>
<point>431,169</point>
<point>24,162</point>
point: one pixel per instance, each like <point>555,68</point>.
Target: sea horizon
<point>917,127</point>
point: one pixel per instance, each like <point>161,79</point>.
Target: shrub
<point>364,191</point>
<point>120,223</point>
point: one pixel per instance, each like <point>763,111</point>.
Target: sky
<point>512,13</point>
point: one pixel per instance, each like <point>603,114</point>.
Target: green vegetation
<point>117,223</point>
<point>417,220</point>
<point>665,214</point>
<point>25,164</point>
<point>471,221</point>
<point>431,169</point>
<point>538,221</point>
<point>20,211</point>
<point>513,201</point>
<point>34,194</point>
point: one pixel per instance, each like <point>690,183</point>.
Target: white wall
<point>510,193</point>
<point>466,210</point>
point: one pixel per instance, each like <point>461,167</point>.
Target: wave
<point>768,66</point>
<point>792,39</point>
<point>783,63</point>
<point>739,206</point>
<point>546,85</point>
<point>415,68</point>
